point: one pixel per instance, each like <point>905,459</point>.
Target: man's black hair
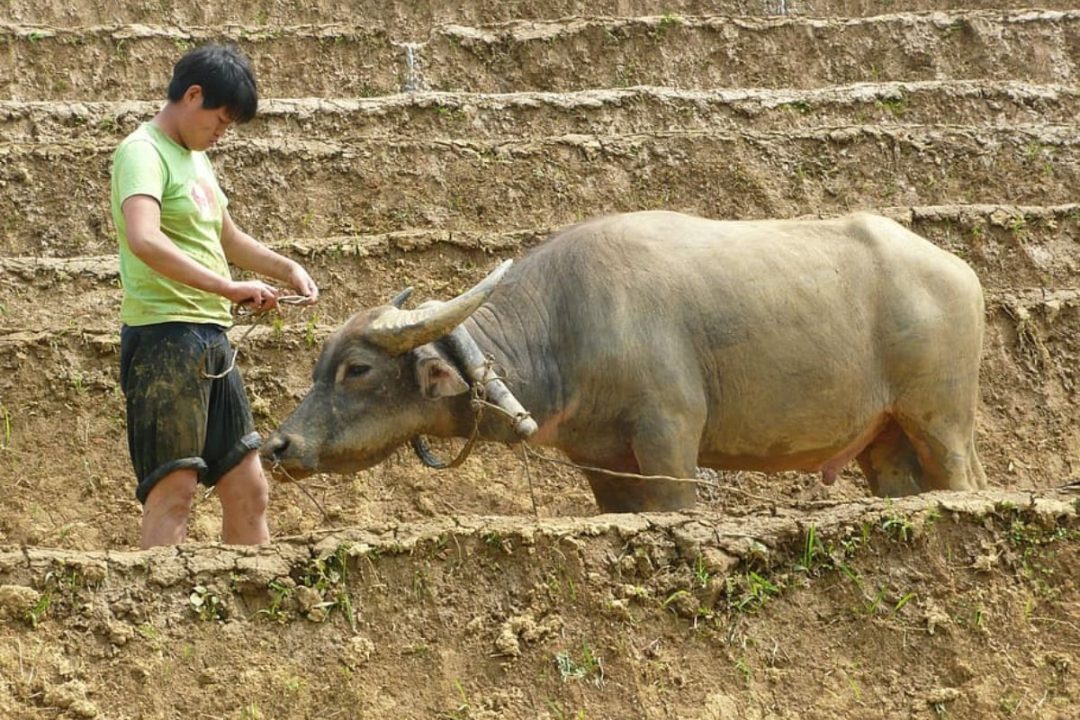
<point>225,77</point>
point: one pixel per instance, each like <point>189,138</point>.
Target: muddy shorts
<point>176,416</point>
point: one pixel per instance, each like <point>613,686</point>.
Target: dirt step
<point>517,614</point>
<point>288,186</point>
<point>780,535</point>
<point>1007,245</point>
<point>414,20</point>
<point>134,61</point>
<point>601,111</point>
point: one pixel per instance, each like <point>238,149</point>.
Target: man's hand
<point>303,284</point>
<point>259,295</point>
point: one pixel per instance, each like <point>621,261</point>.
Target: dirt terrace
<point>413,20</point>
<point>587,112</point>
<point>348,60</point>
<point>461,184</point>
<point>690,616</point>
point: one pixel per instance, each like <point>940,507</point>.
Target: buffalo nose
<point>275,448</point>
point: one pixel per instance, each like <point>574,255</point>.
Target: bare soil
<point>489,592</point>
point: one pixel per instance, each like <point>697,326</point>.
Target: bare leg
<point>244,495</point>
<point>167,508</point>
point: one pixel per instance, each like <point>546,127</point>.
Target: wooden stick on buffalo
<point>479,370</point>
<point>465,350</point>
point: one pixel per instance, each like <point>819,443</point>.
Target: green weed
<point>206,604</point>
<point>751,593</point>
<point>280,593</point>
<point>497,542</point>
<point>903,601</point>
<point>897,106</point>
<point>1010,703</point>
<point>811,550</point>
<point>309,330</point>
<point>36,614</point>
<point>461,711</point>
<point>329,576</point>
<point>701,573</point>
<point>897,528</point>
<point>799,106</point>
<point>745,670</point>
<point>588,667</point>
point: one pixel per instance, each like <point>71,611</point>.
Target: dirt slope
<point>400,592</point>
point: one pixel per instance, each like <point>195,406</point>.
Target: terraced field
<point>423,143</point>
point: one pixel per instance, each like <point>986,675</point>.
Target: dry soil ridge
<point>121,62</point>
<point>742,539</point>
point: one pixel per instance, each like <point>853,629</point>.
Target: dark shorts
<point>177,417</point>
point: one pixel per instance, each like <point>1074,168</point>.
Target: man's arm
<point>248,253</point>
<point>142,215</point>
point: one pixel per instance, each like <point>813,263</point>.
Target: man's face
<point>201,127</point>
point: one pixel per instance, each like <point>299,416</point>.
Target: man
<point>188,415</point>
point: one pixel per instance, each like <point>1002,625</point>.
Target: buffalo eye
<point>357,370</point>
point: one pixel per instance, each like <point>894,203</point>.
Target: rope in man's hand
<point>258,314</point>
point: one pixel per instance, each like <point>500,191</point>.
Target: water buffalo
<point>657,342</point>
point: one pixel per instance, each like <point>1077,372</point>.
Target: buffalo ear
<point>438,378</point>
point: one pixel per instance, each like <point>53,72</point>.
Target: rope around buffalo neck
<point>241,311</point>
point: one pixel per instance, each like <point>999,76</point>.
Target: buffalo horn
<point>401,297</point>
<point>423,451</point>
<point>399,331</point>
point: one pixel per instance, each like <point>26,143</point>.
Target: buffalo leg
<point>976,474</point>
<point>659,446</point>
<point>947,458</point>
<point>616,493</point>
<point>890,464</point>
<point>670,447</point>
<point>619,494</point>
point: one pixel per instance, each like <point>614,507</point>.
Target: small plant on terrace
<point>461,712</point>
<point>897,527</point>
<point>309,330</point>
<point>589,667</point>
<point>1018,227</point>
<point>745,670</point>
<point>800,106</point>
<point>669,21</point>
<point>701,572</point>
<point>897,106</point>
<point>813,553</point>
<point>36,614</point>
<point>751,592</point>
<point>206,604</point>
<point>279,595</point>
<point>329,576</point>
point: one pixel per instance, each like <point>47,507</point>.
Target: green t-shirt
<point>149,162</point>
